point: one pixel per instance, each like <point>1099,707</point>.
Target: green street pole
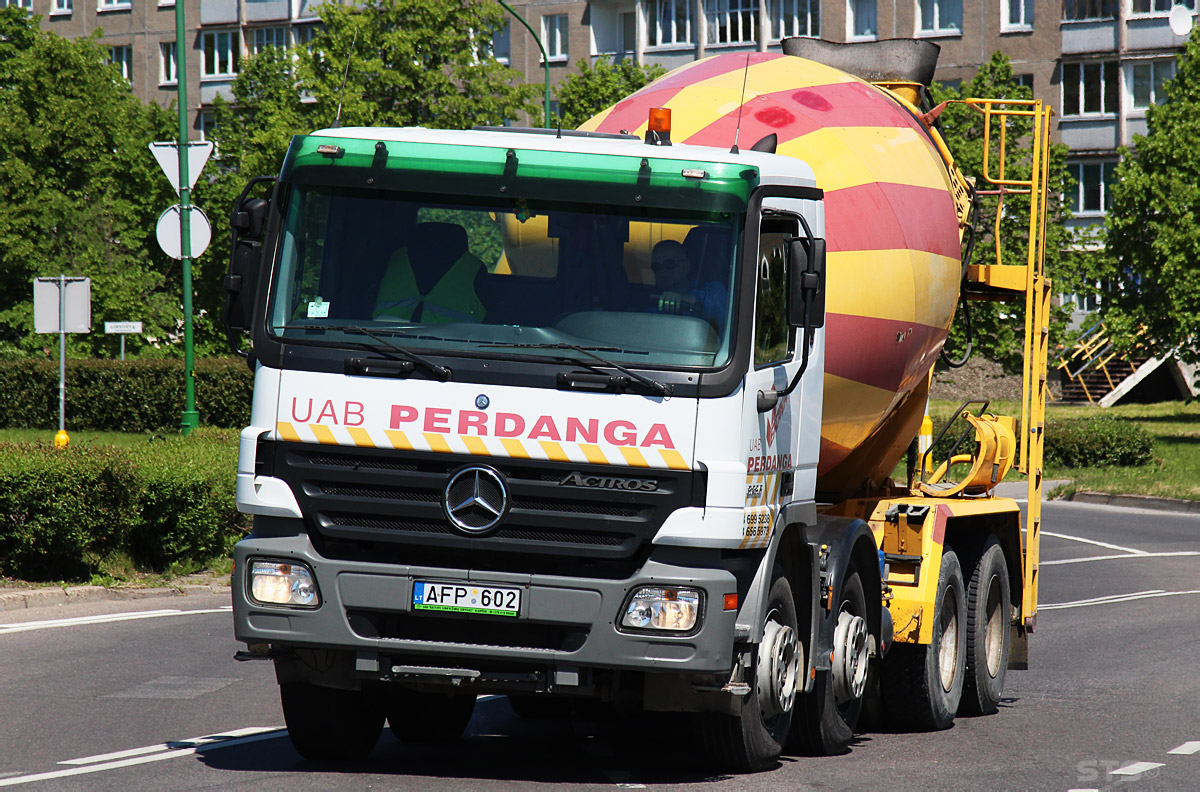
<point>545,60</point>
<point>190,419</point>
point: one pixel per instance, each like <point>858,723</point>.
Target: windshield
<point>649,286</point>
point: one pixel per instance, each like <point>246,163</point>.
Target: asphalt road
<point>144,695</point>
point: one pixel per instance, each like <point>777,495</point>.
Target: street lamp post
<point>545,61</point>
<point>190,418</point>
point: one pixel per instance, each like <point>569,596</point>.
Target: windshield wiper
<point>659,388</point>
<point>441,371</point>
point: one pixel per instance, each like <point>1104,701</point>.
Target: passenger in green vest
<point>432,281</point>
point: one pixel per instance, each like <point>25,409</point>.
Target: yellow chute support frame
<point>1009,281</point>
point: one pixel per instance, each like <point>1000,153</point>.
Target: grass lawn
<point>1174,471</point>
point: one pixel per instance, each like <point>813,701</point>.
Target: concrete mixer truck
<point>620,414</point>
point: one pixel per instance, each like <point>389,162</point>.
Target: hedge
<point>123,396</point>
<point>1097,442</point>
<point>66,514</point>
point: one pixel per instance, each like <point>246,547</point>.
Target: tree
<point>582,95</point>
<point>1154,223</point>
<point>79,192</point>
<point>997,330</point>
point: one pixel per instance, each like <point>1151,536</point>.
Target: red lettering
<point>356,413</point>
<point>544,427</point>
<point>575,428</point>
<point>509,425</point>
<point>296,416</point>
<point>627,437</point>
<point>472,419</point>
<point>327,409</point>
<point>437,419</point>
<point>402,413</point>
<point>658,435</point>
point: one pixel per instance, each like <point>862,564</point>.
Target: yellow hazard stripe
<point>851,156</point>
<point>904,284</point>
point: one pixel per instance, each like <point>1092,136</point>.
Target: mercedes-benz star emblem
<point>475,499</point>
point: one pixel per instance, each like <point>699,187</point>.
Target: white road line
<point>266,733</point>
<point>1137,768</point>
<point>1114,599</point>
<point>1133,550</point>
<point>195,742</point>
<point>1175,554</point>
<point>1187,749</point>
<point>105,619</point>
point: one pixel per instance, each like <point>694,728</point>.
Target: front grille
<point>376,498</point>
<point>466,631</point>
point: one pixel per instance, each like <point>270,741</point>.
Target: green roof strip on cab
<point>730,180</point>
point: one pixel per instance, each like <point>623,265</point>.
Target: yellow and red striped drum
<point>891,226</point>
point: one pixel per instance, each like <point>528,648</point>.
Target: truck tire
<point>988,635</point>
<point>826,718</point>
<point>327,724</point>
<point>923,683</point>
<point>753,740</point>
<point>422,716</point>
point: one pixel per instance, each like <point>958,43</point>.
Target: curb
<point>24,599</point>
<point>1137,502</point>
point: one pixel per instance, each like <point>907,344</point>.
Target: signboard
<point>170,237</point>
<point>76,308</point>
<point>122,327</point>
<point>167,154</point>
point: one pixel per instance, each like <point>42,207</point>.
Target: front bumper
<point>366,609</point>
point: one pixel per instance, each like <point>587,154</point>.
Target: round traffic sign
<point>170,238</point>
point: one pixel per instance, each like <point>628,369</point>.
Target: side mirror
<point>806,283</point>
<point>249,217</point>
<point>248,221</point>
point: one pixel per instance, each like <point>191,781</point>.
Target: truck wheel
<point>827,717</point>
<point>923,684</point>
<point>329,724</point>
<point>988,636</point>
<point>754,739</point>
<point>429,716</point>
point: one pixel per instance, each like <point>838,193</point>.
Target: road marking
<point>1137,768</point>
<point>160,752</point>
<point>1187,749</point>
<point>1133,550</point>
<point>1115,598</point>
<point>1176,554</point>
<point>106,619</point>
<point>195,742</point>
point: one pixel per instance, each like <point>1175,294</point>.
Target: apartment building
<point>1098,63</point>
<point>140,38</point>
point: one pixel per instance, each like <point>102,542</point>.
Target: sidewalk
<point>14,599</point>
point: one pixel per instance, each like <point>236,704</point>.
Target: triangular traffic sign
<point>167,154</point>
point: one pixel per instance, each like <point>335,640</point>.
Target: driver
<point>673,275</point>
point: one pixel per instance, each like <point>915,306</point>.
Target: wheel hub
<point>779,659</point>
<point>849,657</point>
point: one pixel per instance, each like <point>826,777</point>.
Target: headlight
<point>655,608</point>
<point>283,583</point>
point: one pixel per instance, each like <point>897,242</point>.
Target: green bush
<point>123,396</point>
<point>66,513</point>
<point>1097,442</point>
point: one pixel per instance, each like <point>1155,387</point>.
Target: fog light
<point>653,608</point>
<point>283,583</point>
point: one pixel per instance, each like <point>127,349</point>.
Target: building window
<point>554,36</point>
<point>261,38</point>
<point>669,21</point>
<point>795,18</point>
<point>860,19</point>
<point>26,4</point>
<point>1075,10</point>
<point>1159,7</point>
<point>1147,82</point>
<point>500,43</point>
<point>304,35</point>
<point>109,5</point>
<point>1093,191</point>
<point>1018,15</point>
<point>122,55</point>
<point>220,51</point>
<point>60,7</point>
<point>1089,89</point>
<point>1025,81</point>
<point>628,27</point>
<point>167,73</point>
<point>941,16</point>
<point>205,123</point>
<point>732,21</point>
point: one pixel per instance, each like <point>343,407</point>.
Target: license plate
<point>466,598</point>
